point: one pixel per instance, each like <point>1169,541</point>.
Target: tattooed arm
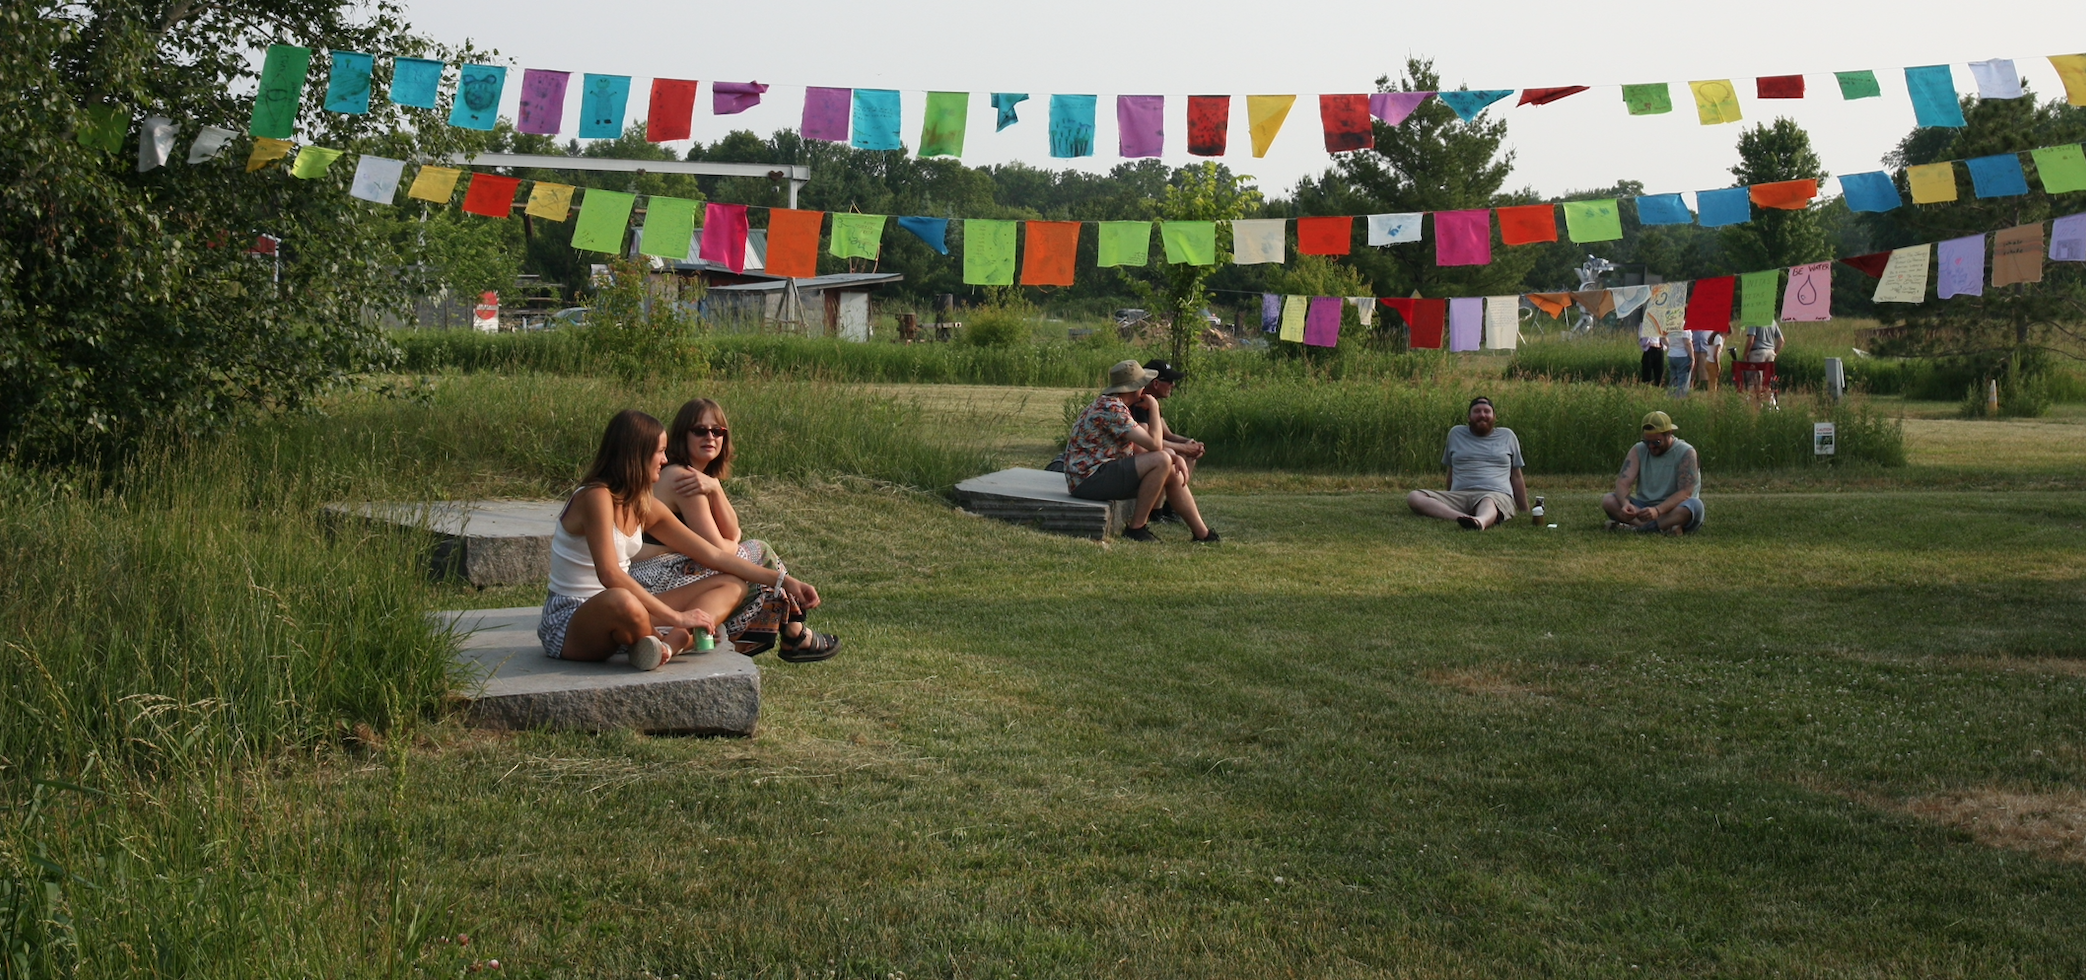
<point>1628,478</point>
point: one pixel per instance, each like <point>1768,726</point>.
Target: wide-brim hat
<point>1659,422</point>
<point>1127,376</point>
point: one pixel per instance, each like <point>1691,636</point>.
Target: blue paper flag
<point>415,82</point>
<point>1072,125</point>
<point>1005,103</point>
<point>1469,104</point>
<point>1726,207</point>
<point>347,84</point>
<point>933,231</point>
<point>876,120</point>
<point>478,97</point>
<point>602,99</point>
<point>1998,176</point>
<point>1663,209</point>
<point>1872,191</point>
<point>1934,96</point>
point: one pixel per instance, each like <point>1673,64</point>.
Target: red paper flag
<point>673,110</point>
<point>1209,121</point>
<point>1423,318</point>
<point>724,236</point>
<point>1545,96</point>
<point>1781,87</point>
<point>491,195</point>
<point>1347,123</point>
<point>1528,225</point>
<point>793,243</point>
<point>1786,195</point>
<point>1709,304</point>
<point>1870,265</point>
<point>1325,236</point>
<point>1048,252</point>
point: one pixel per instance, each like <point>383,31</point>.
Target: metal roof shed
<point>838,304</point>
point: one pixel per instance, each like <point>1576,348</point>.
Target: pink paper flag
<point>724,236</point>
<point>727,98</point>
<point>826,112</point>
<point>1962,271</point>
<point>1809,296</point>
<point>1466,322</point>
<point>1140,122</point>
<point>542,102</point>
<point>1322,321</point>
<point>1463,237</point>
<point>1393,107</point>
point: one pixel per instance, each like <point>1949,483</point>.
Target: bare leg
<point>717,595</point>
<point>1184,503</point>
<point>1153,471</point>
<point>1426,506</point>
<point>1487,514</point>
<point>614,618</point>
<point>1613,505</point>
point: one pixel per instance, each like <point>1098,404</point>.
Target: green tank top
<point>1658,475</point>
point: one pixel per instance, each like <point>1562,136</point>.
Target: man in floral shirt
<point>1099,463</point>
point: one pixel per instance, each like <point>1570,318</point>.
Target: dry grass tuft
<point>2052,825</point>
<point>1486,681</point>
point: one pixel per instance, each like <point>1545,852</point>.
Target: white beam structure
<point>797,176</point>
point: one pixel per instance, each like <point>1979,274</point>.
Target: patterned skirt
<point>671,571</point>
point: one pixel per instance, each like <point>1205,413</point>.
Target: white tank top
<point>572,571</point>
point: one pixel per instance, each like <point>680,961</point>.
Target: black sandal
<point>810,646</point>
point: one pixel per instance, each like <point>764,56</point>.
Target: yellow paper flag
<point>1932,183</point>
<point>1266,113</point>
<point>1715,102</point>
<point>2072,68</point>
<point>437,184</point>
<point>552,202</point>
<point>267,151</point>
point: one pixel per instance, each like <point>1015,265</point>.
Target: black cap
<point>1167,372</point>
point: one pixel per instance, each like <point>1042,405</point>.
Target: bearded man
<point>1484,465</point>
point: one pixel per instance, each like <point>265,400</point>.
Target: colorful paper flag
<point>1709,304</point>
<point>1394,107</point>
<point>477,103</point>
<point>2071,69</point>
<point>1996,79</point>
<point>2062,169</point>
<point>1502,322</point>
<point>1072,126</point>
<point>856,236</point>
<point>1933,92</point>
<point>1346,122</point>
<point>1667,309</point>
<point>1140,124</point>
<point>2068,238</point>
<point>1872,191</point>
<point>826,114</point>
<point>102,126</point>
<point>1779,87</point>
<point>1270,312</point>
<point>1426,318</point>
<point>669,227</point>
<point>347,83</point>
<point>1463,237</point>
<point>1259,241</point>
<point>792,243</point>
<point>1808,297</point>
<point>1730,206</point>
<point>933,231</point>
<point>1264,116</point>
<point>1593,221</point>
<point>1325,236</point>
<point>549,201</point>
<point>415,82</point>
<point>1998,175</point>
<point>376,179</point>
<point>1871,265</point>
<point>267,151</point>
<point>604,217</point>
<point>1048,254</point>
<point>1716,102</point>
<point>988,252</point>
<point>1209,124</point>
<point>1932,183</point>
<point>281,92</point>
<point>1004,103</point>
<point>490,195</point>
<point>1784,195</point>
<point>943,125</point>
<point>1663,209</point>
<point>1628,299</point>
<point>1858,85</point>
<point>1545,96</point>
<point>724,236</point>
<point>1961,267</point>
<point>1528,224</point>
<point>313,161</point>
<point>1757,297</point>
<point>1552,304</point>
<point>1392,229</point>
<point>1600,302</point>
<point>671,115</point>
<point>1650,99</point>
<point>1295,309</point>
<point>876,120</point>
<point>1467,104</point>
<point>1466,322</point>
<point>438,184</point>
<point>1124,243</point>
<point>1322,321</point>
<point>2017,255</point>
<point>1189,242</point>
<point>542,102</point>
<point>1904,277</point>
<point>602,101</point>
<point>732,98</point>
<point>209,143</point>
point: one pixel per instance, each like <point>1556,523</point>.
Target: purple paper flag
<point>1809,296</point>
<point>1463,237</point>
<point>2068,239</point>
<point>728,98</point>
<point>1270,312</point>
<point>1322,321</point>
<point>1393,107</point>
<point>826,112</point>
<point>542,102</point>
<point>1140,122</point>
<point>1466,322</point>
<point>1962,271</point>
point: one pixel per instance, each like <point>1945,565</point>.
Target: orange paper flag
<point>1048,253</point>
<point>1325,236</point>
<point>1787,195</point>
<point>1528,225</point>
<point>793,243</point>
<point>1551,303</point>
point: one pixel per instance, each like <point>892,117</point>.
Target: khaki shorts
<point>1466,501</point>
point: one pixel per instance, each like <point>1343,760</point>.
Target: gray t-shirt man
<point>1767,342</point>
<point>1485,463</point>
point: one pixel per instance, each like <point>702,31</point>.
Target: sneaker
<point>648,653</point>
<point>1166,515</point>
<point>1139,534</point>
<point>1210,538</point>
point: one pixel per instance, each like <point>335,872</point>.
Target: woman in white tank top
<point>595,609</point>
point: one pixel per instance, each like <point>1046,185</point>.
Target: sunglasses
<point>710,430</point>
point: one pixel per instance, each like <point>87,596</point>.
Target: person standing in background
<point>1651,368</point>
<point>1680,361</point>
<point>1763,345</point>
<point>1709,355</point>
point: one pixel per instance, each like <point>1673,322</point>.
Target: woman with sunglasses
<point>699,460</point>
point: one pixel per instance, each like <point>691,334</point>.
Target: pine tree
<point>1775,238</point>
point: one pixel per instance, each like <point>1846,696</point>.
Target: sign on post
<point>1822,443</point>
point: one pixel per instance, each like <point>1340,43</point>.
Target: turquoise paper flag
<point>1871,191</point>
<point>1072,125</point>
<point>1004,103</point>
<point>478,97</point>
<point>876,120</point>
<point>1998,175</point>
<point>1663,209</point>
<point>415,82</point>
<point>347,83</point>
<point>1733,205</point>
<point>281,92</point>
<point>988,252</point>
<point>1934,96</point>
<point>602,100</point>
<point>933,231</point>
<point>669,226</point>
<point>1469,104</point>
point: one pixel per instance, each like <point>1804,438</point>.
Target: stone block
<point>487,542</point>
<point>1037,498</point>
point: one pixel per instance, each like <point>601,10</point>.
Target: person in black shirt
<point>1187,452</point>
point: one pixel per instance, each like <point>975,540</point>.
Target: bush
<point>995,326</point>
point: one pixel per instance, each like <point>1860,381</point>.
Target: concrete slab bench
<point>488,542</point>
<point>514,686</point>
<point>1038,498</point>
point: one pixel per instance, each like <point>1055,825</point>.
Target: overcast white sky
<point>1304,47</point>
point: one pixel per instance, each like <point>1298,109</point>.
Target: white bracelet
<point>780,574</point>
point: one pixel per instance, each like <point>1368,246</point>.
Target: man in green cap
<point>1667,476</point>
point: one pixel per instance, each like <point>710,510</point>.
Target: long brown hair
<point>690,416</point>
<point>623,464</point>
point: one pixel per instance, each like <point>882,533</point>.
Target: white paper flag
<point>376,179</point>
<point>1364,309</point>
<point>155,142</point>
<point>1391,229</point>
<point>1668,309</point>
<point>1628,298</point>
<point>209,144</point>
<point>1996,79</point>
<point>756,248</point>
<point>1502,322</point>
<point>1904,277</point>
<point>1258,240</point>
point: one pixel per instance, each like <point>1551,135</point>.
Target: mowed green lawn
<point>1837,734</point>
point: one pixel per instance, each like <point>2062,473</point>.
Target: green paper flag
<point>1858,84</point>
<point>603,217</point>
<point>1757,306</point>
<point>856,236</point>
<point>1647,100</point>
<point>281,92</point>
<point>1593,221</point>
<point>102,127</point>
<point>312,161</point>
<point>669,225</point>
<point>941,132</point>
<point>1190,242</point>
<point>2061,168</point>
<point>988,252</point>
<point>1125,243</point>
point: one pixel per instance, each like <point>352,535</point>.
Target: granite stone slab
<point>1037,498</point>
